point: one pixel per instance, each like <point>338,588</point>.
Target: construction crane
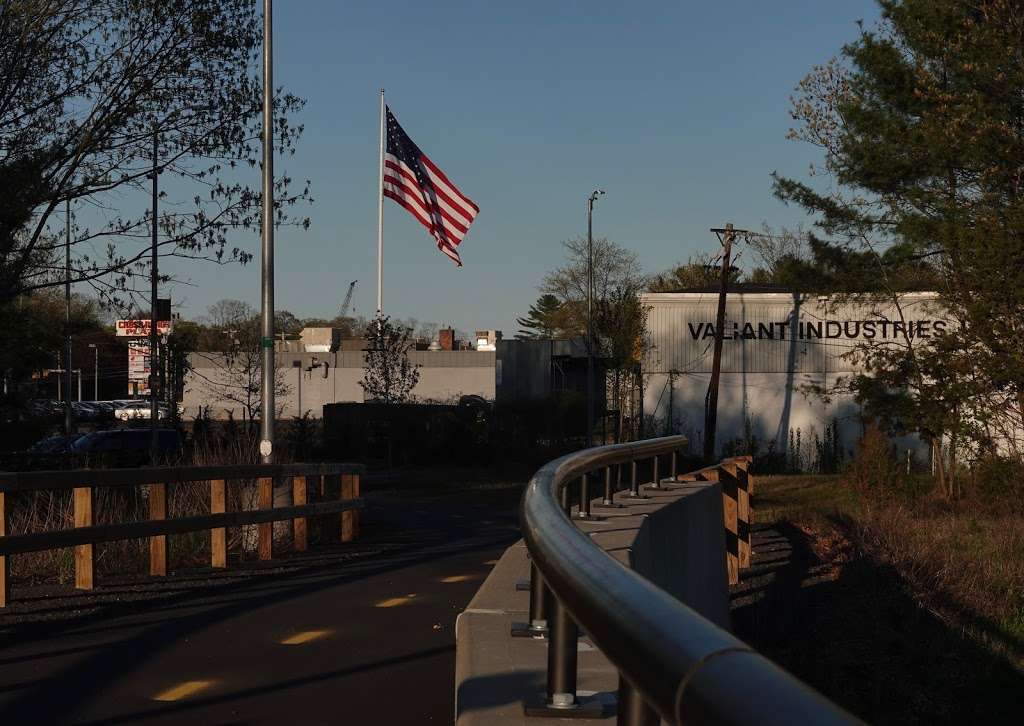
<point>348,299</point>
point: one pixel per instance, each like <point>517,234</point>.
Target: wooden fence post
<point>85,558</point>
<point>730,487</point>
<point>745,514</point>
<point>266,529</point>
<point>299,529</point>
<point>4,567</point>
<point>158,543</point>
<point>349,518</point>
<point>330,525</point>
<point>218,535</point>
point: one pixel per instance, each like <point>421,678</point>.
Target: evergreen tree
<point>546,319</point>
<point>920,124</point>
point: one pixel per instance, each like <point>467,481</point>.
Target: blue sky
<point>678,110</point>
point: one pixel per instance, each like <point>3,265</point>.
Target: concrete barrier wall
<point>675,539</point>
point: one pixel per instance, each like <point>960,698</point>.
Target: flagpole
<point>380,212</point>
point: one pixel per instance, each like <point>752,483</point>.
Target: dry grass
<point>47,511</point>
<point>963,562</point>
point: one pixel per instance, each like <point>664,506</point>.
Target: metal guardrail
<point>673,664</point>
<point>335,485</point>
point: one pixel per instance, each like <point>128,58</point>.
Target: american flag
<point>415,182</point>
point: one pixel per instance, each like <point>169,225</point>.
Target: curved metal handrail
<point>681,665</point>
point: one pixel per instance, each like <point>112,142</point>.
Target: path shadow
<point>856,635</point>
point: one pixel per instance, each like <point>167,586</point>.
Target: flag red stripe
<point>451,226</point>
<point>442,244</point>
<point>457,209</point>
<point>440,175</point>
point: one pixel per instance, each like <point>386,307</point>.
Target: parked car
<point>126,447</point>
<point>140,410</point>
<point>54,444</point>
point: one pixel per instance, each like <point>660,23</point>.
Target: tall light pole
<point>95,372</point>
<point>154,339</point>
<point>67,318</point>
<point>267,246</point>
<point>590,311</point>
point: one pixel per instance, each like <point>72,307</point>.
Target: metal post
<point>562,658</point>
<point>154,340</point>
<point>540,597</point>
<point>267,408</point>
<point>79,372</point>
<point>655,473</point>
<point>633,711</point>
<point>674,472</point>
<point>584,508</point>
<point>590,314</point>
<point>67,319</point>
<point>634,482</point>
<point>380,211</point>
<point>607,501</point>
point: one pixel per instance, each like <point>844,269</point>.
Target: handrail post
<point>633,710</point>
<point>608,502</point>
<point>540,604</point>
<point>562,655</point>
<point>634,481</point>
<point>674,466</point>
<point>655,473</point>
<point>584,509</point>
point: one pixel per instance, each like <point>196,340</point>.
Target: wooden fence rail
<point>336,486</point>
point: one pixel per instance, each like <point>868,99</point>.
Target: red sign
<point>140,328</point>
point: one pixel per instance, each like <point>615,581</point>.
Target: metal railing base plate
<point>523,630</point>
<point>523,585</point>
<point>587,518</point>
<point>592,707</point>
<point>629,496</point>
<point>608,505</point>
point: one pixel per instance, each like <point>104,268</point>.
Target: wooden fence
<point>737,497</point>
<point>335,488</point>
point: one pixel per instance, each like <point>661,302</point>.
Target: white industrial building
<point>776,345</point>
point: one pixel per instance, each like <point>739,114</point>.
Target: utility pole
<point>590,313</point>
<point>726,236</point>
<point>267,245</point>
<point>154,339</point>
<point>67,318</point>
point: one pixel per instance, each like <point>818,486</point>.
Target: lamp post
<point>154,340</point>
<point>267,246</point>
<point>590,312</point>
<point>95,372</point>
<point>67,319</point>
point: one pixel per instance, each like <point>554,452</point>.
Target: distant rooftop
<point>751,287</point>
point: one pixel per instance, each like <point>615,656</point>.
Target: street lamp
<point>267,246</point>
<point>590,311</point>
<point>95,372</point>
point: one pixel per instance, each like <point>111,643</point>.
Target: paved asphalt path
<point>347,634</point>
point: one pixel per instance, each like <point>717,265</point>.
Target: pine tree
<point>546,319</point>
<point>920,123</point>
